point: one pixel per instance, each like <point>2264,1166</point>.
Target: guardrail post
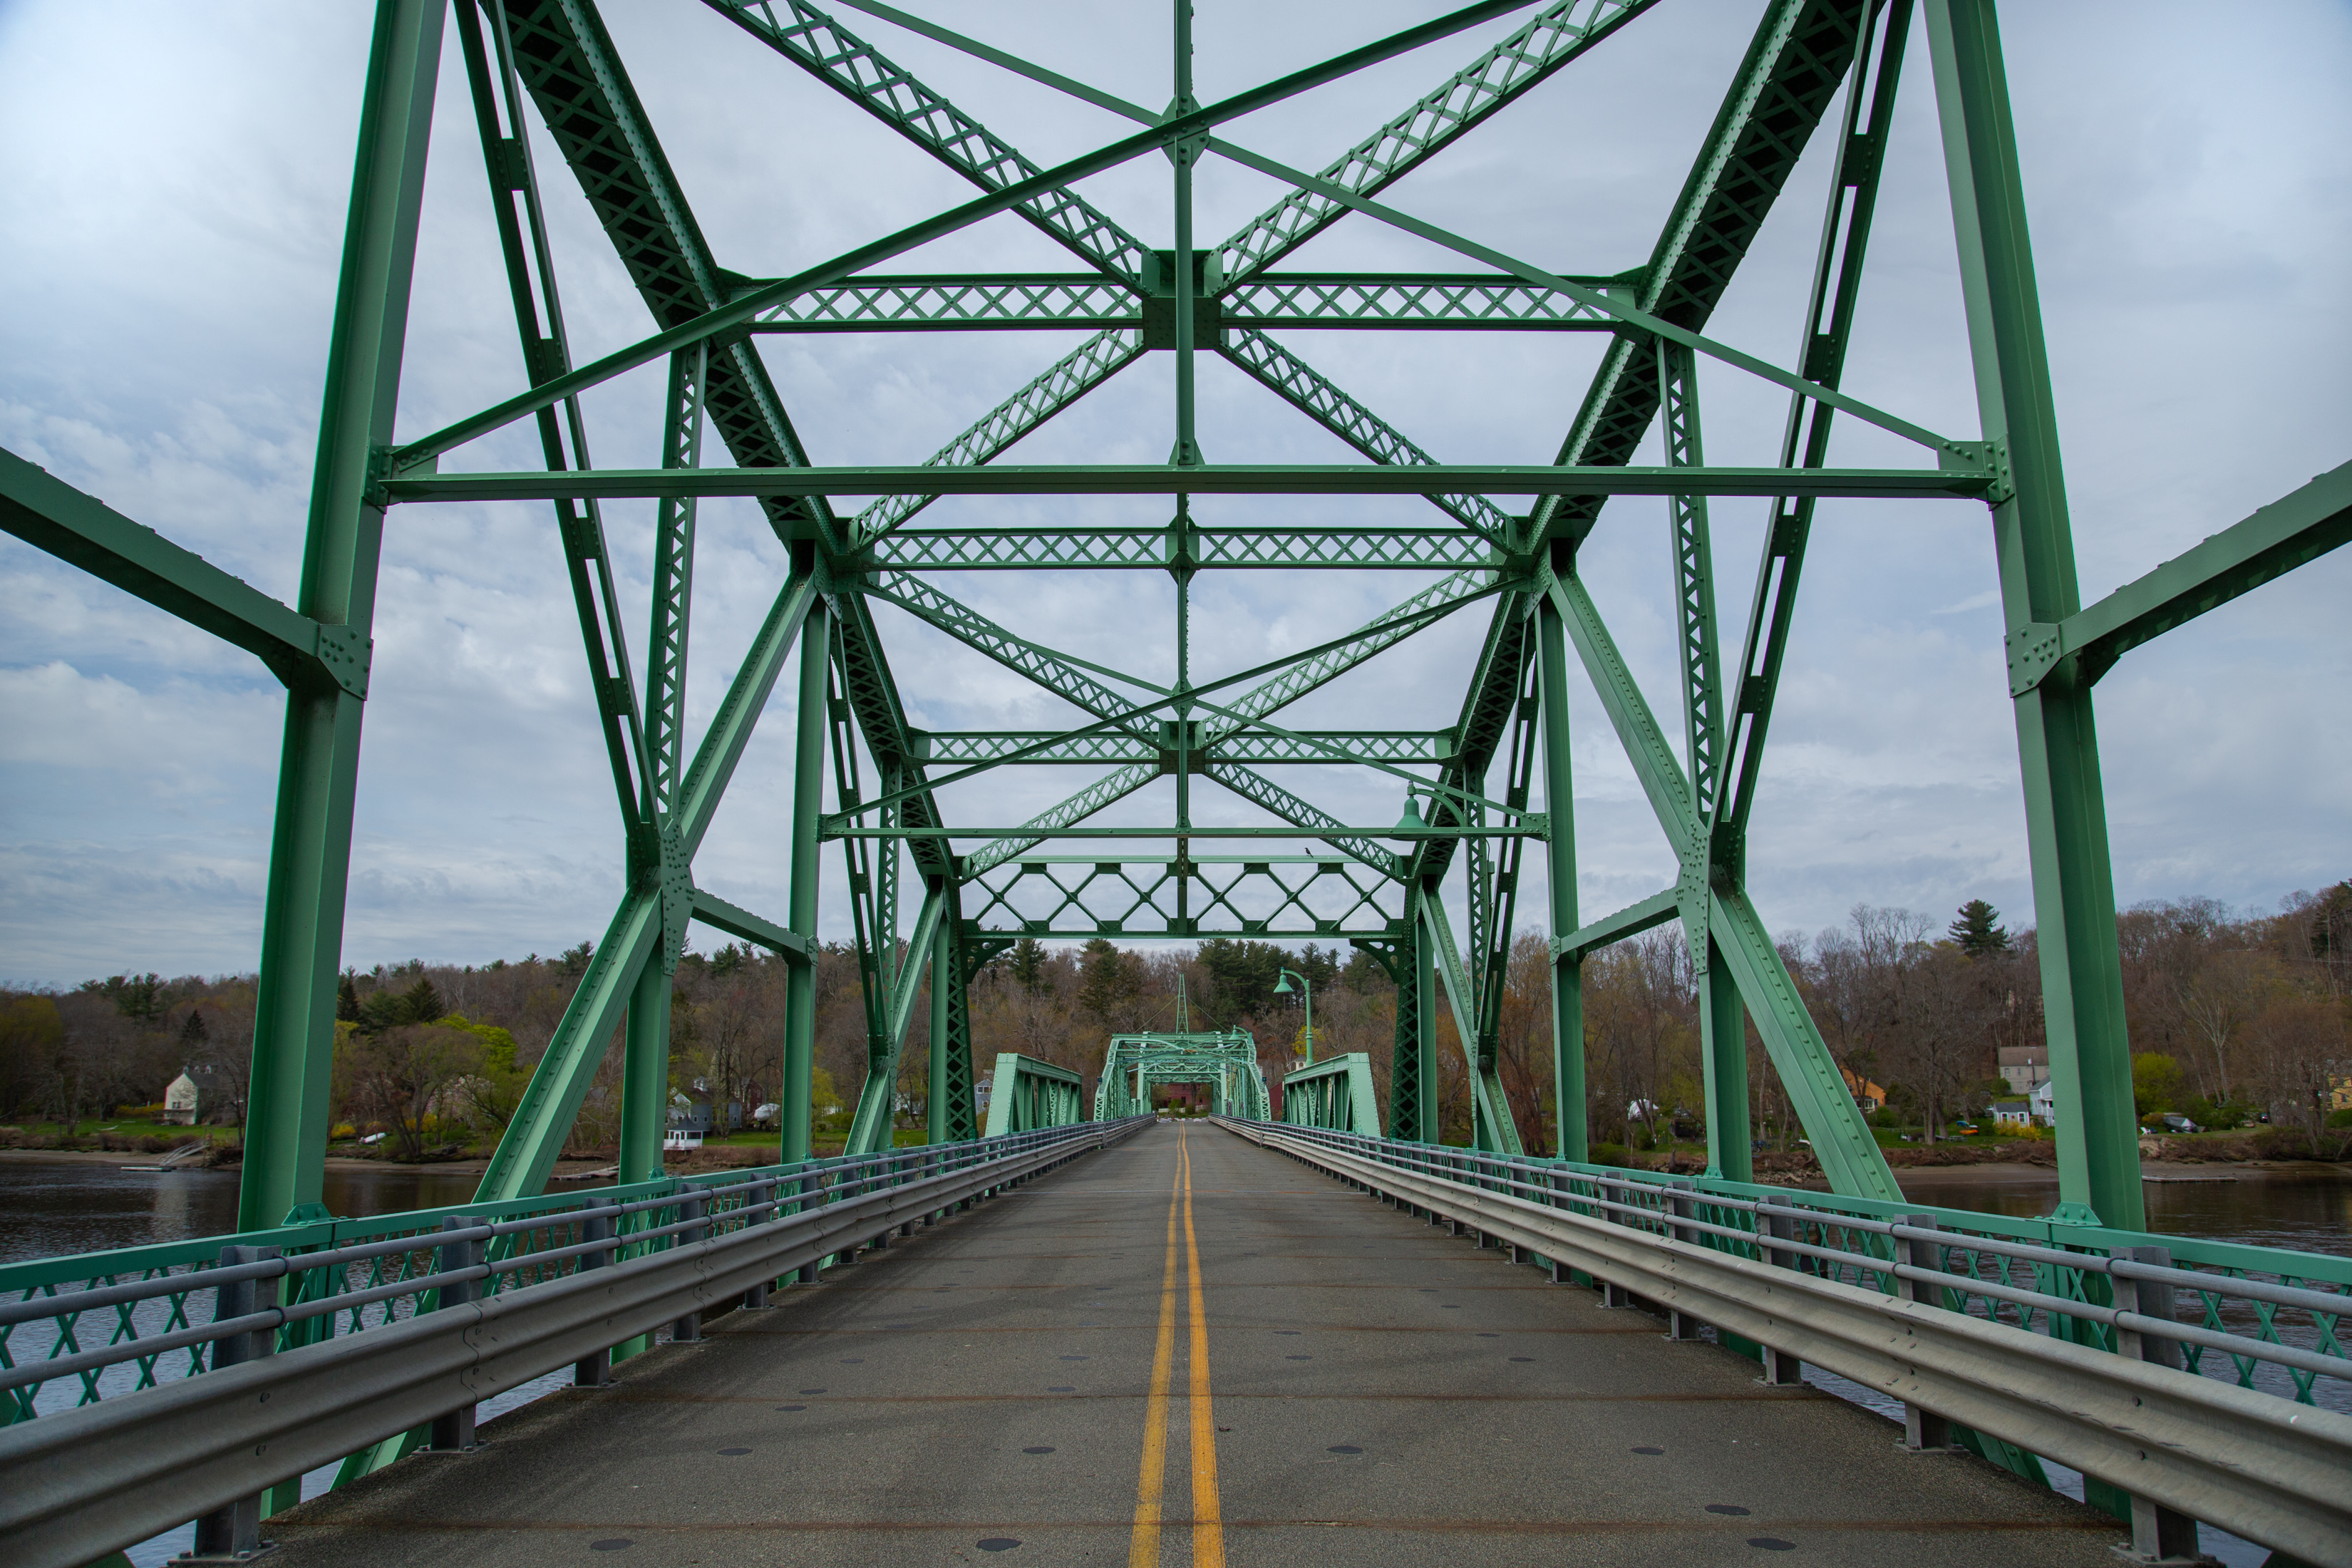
<point>809,1188</point>
<point>234,1530</point>
<point>1923,1431</point>
<point>454,1433</point>
<point>759,1198</point>
<point>2158,1534</point>
<point>1775,1223</point>
<point>596,1224</point>
<point>1683,1201</point>
<point>1561,1274</point>
<point>1614,1191</point>
<point>690,1206</point>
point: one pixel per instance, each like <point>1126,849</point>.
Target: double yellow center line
<point>1208,1522</point>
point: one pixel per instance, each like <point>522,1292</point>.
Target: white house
<point>2044,1102</point>
<point>180,1102</point>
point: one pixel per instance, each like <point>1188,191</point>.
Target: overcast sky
<point>176,181</point>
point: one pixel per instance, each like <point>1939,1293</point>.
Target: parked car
<point>2175,1122</point>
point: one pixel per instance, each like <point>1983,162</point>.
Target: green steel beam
<point>707,776</point>
<point>1491,1126</point>
<point>534,1139</point>
<point>1702,673</point>
<point>1156,549</point>
<point>948,1103</point>
<point>652,913</point>
<point>871,1125</point>
<point>1025,1094</point>
<point>1499,77</point>
<point>1059,673</point>
<point>1359,843</point>
<point>1186,895</point>
<point>1453,301</point>
<point>1335,1094</point>
<point>565,60</point>
<point>1275,800</point>
<point>317,771</point>
<point>1794,64</point>
<point>1722,1022</point>
<point>799,1075</point>
<point>1460,301</point>
<point>1376,637</point>
<point>1963,480</point>
<point>2057,737</point>
<point>1283,372</point>
<point>870,867</point>
<point>1321,746</point>
<point>83,531</point>
<point>887,91</point>
<point>745,308</point>
<point>1631,320</point>
<point>1066,381</point>
<point>737,921</point>
<point>955,303</point>
<point>1057,820</point>
<point>1582,942</point>
<point>673,584</point>
<point>1844,246</point>
<point>1722,913</point>
<point>1568,1077</point>
<point>2296,528</point>
<point>546,352</point>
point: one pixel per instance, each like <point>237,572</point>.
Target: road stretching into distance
<point>1181,1353</point>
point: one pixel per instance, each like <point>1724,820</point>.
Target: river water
<point>61,1207</point>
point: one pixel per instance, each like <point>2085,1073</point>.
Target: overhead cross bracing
<point>952,843</point>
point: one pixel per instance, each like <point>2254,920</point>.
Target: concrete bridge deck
<point>1186,1350</point>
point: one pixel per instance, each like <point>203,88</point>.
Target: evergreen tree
<point>1978,929</point>
<point>424,1002</point>
<point>347,1000</point>
<point>1107,978</point>
<point>1027,962</point>
<point>193,1033</point>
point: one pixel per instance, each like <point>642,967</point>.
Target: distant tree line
<point>2231,1017</point>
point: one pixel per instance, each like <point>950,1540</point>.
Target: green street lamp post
<point>1282,988</point>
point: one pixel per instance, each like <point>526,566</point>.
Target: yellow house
<point>1866,1094</point>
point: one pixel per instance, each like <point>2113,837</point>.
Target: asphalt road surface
<point>1186,1352</point>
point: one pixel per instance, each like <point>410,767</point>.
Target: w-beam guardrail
<point>2078,1356</point>
<point>298,1364</point>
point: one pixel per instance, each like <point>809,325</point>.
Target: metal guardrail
<point>114,1470</point>
<point>1904,1306</point>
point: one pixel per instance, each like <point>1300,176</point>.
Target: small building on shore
<point>180,1102</point>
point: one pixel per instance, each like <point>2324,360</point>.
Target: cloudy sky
<point>176,181</point>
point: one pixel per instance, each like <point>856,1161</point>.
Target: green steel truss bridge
<point>930,900</point>
<point>118,1356</point>
<point>1226,1061</point>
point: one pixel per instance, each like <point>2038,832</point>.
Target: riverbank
<point>687,1163</point>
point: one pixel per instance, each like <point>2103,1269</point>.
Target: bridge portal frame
<point>555,55</point>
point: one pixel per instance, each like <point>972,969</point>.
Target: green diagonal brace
<point>1842,1140</point>
<point>869,1128</point>
<point>1491,1125</point>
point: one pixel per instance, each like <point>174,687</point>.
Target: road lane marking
<point>1208,1509</point>
<point>1143,1544</point>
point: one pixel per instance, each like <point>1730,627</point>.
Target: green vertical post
<point>938,1093</point>
<point>645,1074</point>
<point>1184,155</point>
<point>808,785</point>
<point>2058,748</point>
<point>1560,808</point>
<point>1723,1040</point>
<point>318,768</point>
